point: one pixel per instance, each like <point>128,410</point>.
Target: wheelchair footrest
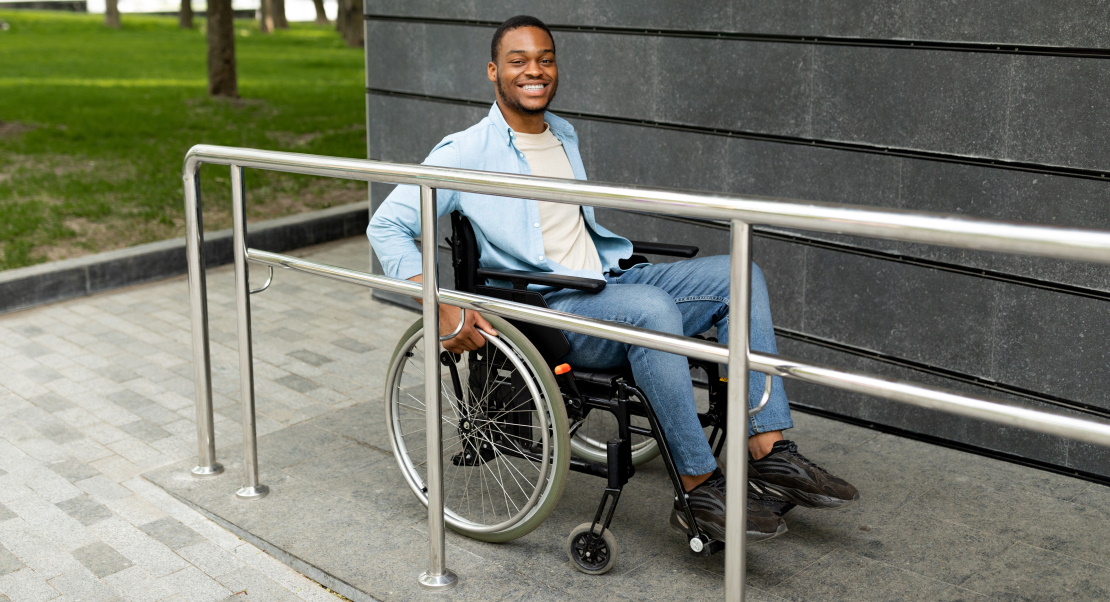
<point>711,547</point>
<point>702,545</point>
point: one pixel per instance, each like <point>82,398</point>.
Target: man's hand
<point>468,338</point>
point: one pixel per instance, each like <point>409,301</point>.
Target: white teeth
<point>533,86</point>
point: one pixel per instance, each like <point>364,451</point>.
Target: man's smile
<point>536,88</point>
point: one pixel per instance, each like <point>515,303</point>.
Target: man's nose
<point>533,68</point>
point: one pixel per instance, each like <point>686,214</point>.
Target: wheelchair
<point>515,421</point>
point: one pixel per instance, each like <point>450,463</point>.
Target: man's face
<point>525,72</point>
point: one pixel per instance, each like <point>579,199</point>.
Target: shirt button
<point>541,257</point>
<point>536,225</point>
<point>521,155</point>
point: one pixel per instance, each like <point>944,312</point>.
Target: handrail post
<point>207,466</point>
<point>252,490</point>
<point>437,577</point>
<point>739,326</point>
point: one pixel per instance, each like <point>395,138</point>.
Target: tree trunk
<point>280,22</point>
<point>352,22</point>
<point>185,15</point>
<point>111,14</point>
<point>321,14</point>
<point>340,15</point>
<point>266,16</point>
<point>222,80</point>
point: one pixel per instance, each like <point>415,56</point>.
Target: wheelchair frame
<point>591,546</point>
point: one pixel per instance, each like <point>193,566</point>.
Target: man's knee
<point>649,307</point>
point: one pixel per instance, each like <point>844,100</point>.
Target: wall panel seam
<point>982,273</point>
<point>799,238</point>
<point>794,237</point>
<point>1062,469</point>
<point>906,44</point>
<point>978,381</point>
<point>1072,172</point>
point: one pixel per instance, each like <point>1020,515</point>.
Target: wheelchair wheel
<point>505,444</point>
<point>599,426</point>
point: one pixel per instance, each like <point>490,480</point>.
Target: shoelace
<point>793,449</point>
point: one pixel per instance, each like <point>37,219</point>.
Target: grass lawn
<point>95,123</point>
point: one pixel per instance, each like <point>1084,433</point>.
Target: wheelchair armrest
<point>521,279</point>
<point>659,248</point>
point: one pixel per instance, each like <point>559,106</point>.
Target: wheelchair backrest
<point>465,258</point>
<point>464,253</point>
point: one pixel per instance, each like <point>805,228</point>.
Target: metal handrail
<point>932,398</point>
<point>740,211</point>
<point>891,224</point>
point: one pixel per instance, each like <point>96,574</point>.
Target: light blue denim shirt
<point>508,229</point>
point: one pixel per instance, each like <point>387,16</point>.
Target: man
<point>686,297</point>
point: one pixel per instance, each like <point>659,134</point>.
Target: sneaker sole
<point>678,523</point>
<point>815,501</point>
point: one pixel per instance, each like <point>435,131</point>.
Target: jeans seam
<point>714,298</point>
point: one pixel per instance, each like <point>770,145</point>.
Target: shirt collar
<point>559,126</point>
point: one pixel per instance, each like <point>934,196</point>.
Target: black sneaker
<point>787,475</point>
<point>707,501</point>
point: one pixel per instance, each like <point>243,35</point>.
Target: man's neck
<point>523,123</point>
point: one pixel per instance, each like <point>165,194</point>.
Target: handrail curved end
<point>193,158</point>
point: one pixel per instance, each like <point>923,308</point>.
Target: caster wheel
<point>589,553</point>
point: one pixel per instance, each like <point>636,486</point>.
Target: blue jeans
<point>687,298</point>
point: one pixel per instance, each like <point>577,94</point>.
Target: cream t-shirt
<point>566,239</point>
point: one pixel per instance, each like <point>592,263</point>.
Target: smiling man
<point>688,297</point>
<point>525,78</point>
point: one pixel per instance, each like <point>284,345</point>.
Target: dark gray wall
<point>991,109</point>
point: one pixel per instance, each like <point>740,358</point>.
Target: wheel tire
<point>476,421</point>
<point>592,562</point>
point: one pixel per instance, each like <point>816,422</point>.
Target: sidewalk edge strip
<point>24,288</point>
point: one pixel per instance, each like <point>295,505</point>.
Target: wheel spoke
<point>500,456</point>
<point>517,447</point>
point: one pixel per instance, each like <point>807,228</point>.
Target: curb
<point>28,287</point>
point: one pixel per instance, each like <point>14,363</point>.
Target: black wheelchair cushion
<point>551,342</point>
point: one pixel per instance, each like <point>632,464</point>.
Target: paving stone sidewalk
<point>97,390</point>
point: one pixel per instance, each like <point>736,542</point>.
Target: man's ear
<point>491,71</point>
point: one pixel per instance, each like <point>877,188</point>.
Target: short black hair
<point>516,23</point>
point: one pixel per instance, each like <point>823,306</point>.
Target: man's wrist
<point>458,327</point>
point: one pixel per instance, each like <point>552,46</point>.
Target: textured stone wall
<point>989,109</point>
